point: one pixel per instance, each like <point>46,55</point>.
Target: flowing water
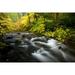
<point>33,48</point>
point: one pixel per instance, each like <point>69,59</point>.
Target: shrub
<point>38,29</point>
<point>70,41</point>
<point>23,23</point>
<point>6,25</point>
<point>49,34</point>
<point>61,34</point>
<point>49,25</point>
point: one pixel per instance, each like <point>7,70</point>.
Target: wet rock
<point>23,47</point>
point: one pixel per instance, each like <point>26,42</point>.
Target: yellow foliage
<point>49,34</point>
<point>38,29</point>
<point>24,20</point>
<point>7,25</point>
<point>41,28</point>
<point>23,23</point>
<point>61,34</point>
<point>31,16</point>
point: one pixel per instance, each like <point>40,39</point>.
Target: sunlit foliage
<point>61,34</point>
<point>6,24</point>
<point>56,25</point>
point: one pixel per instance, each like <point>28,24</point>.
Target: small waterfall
<point>54,53</point>
<point>39,48</point>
